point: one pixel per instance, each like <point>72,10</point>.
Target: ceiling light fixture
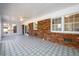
<point>21,18</point>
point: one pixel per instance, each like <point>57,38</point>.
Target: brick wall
<point>44,33</point>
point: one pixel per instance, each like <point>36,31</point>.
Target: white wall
<point>19,30</point>
<point>59,13</point>
<point>12,21</point>
<point>0,28</point>
<point>1,32</point>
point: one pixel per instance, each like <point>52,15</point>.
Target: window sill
<point>65,32</point>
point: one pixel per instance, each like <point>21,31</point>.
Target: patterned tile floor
<point>31,46</point>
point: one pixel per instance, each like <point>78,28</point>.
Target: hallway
<point>31,46</point>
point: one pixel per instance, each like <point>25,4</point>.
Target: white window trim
<point>62,29</point>
<point>62,23</point>
<point>51,27</point>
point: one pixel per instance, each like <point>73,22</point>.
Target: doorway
<point>22,29</point>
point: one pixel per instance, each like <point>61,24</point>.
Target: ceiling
<point>30,10</point>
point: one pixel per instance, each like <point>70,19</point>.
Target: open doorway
<point>22,29</point>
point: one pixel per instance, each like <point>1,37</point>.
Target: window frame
<point>63,27</point>
<point>55,24</point>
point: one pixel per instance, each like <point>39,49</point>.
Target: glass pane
<point>76,27</point>
<point>66,20</point>
<point>76,15</point>
<point>59,26</point>
<point>52,21</point>
<point>55,27</point>
<point>55,21</point>
<point>70,20</point>
<point>65,27</point>
<point>76,19</point>
<point>58,20</point>
<point>52,26</point>
<point>58,29</point>
<point>56,24</point>
<point>68,27</point>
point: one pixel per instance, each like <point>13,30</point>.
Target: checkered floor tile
<point>31,46</point>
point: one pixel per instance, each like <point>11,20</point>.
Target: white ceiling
<point>31,10</point>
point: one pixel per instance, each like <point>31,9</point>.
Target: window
<point>35,24</point>
<point>56,24</point>
<point>72,23</point>
<point>66,24</point>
